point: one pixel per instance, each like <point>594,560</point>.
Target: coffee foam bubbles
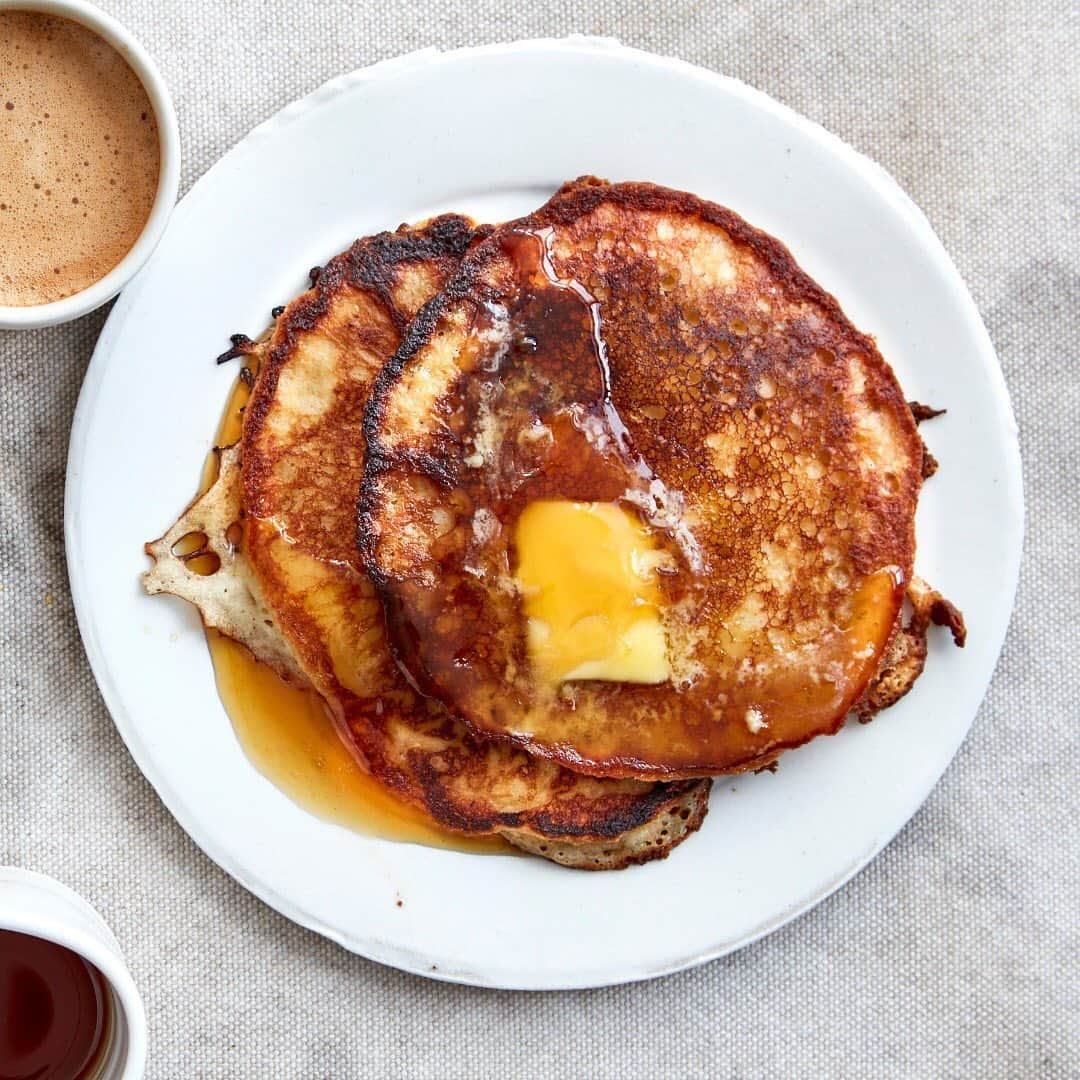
<point>79,158</point>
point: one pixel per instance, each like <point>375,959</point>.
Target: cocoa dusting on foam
<point>79,158</point>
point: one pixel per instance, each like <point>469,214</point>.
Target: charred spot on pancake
<point>241,345</point>
<point>929,463</point>
<point>924,412</point>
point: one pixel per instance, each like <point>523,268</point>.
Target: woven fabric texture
<point>955,953</point>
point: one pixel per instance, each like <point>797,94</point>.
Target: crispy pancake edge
<point>369,264</point>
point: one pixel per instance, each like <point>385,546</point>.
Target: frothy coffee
<point>79,158</point>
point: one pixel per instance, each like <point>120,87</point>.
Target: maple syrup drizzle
<point>662,508</point>
<point>289,736</point>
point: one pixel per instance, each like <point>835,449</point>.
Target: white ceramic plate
<point>492,132</point>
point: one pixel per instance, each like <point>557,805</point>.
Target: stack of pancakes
<point>628,347</point>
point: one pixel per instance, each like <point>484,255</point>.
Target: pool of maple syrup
<point>55,1014</point>
<point>290,737</point>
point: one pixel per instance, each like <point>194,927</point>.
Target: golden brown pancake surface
<point>632,345</point>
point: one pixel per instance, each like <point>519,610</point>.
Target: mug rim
<point>105,288</point>
<point>104,955</point>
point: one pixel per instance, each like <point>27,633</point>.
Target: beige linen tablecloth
<point>955,952</point>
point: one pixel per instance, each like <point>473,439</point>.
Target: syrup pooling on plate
<point>290,735</point>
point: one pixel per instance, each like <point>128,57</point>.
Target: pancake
<point>631,350</point>
<point>292,483</point>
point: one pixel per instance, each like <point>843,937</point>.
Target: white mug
<point>34,904</point>
<point>105,288</point>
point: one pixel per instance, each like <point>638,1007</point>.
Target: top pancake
<point>632,344</point>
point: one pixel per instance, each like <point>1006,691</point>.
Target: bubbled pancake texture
<point>749,395</point>
<point>954,952</point>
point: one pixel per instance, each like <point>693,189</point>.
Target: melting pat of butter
<point>587,576</point>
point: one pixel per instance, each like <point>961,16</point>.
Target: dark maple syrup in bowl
<point>55,1012</point>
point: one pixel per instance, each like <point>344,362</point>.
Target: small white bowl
<point>104,289</point>
<point>34,904</point>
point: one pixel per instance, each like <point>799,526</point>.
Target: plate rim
<point>381,951</point>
